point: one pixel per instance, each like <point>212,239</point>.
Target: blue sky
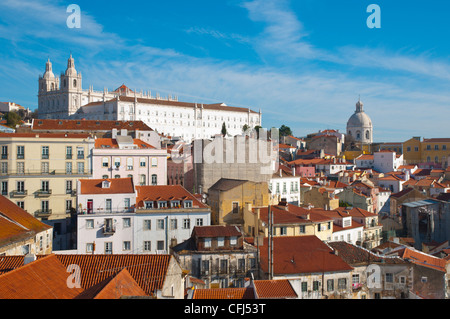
<point>303,63</point>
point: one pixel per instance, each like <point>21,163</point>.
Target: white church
<point>64,98</point>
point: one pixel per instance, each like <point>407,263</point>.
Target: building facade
<point>63,97</point>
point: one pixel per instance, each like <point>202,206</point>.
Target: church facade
<point>63,98</point>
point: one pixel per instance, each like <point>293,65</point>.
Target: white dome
<point>359,125</point>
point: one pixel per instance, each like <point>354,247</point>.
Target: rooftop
<point>107,186</point>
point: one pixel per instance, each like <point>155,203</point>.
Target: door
<point>90,206</point>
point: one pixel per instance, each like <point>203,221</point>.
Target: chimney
<point>114,133</point>
<point>29,258</point>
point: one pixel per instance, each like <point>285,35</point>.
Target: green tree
<point>285,130</point>
<point>224,129</point>
<point>13,119</point>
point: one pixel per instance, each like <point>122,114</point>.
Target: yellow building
<point>288,220</point>
<point>39,173</point>
<point>227,198</point>
<point>429,150</point>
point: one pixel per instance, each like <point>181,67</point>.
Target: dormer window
<point>148,204</point>
<point>162,204</point>
<point>188,204</point>
<point>175,204</point>
<point>106,184</point>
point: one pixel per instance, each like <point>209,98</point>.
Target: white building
<point>285,186</point>
<point>123,219</point>
<point>64,97</point>
<point>359,126</point>
<point>387,161</point>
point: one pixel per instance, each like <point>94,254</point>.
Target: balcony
<point>43,193</point>
<point>19,194</point>
<point>109,230</point>
<point>38,172</point>
<point>42,213</point>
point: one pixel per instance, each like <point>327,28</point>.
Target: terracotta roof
<point>45,135</point>
<point>117,186</point>
<point>405,191</point>
<point>16,223</point>
<point>112,143</point>
<point>224,293</point>
<point>44,278</point>
<point>294,215</point>
<point>355,255</point>
<point>8,263</point>
<point>391,178</point>
<point>301,255</point>
<point>165,193</point>
<point>423,259</point>
<point>87,125</point>
<point>216,231</point>
<point>148,270</point>
<point>436,140</point>
<point>274,289</point>
<point>117,286</point>
<point>356,212</point>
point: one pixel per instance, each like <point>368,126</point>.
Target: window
<point>436,147</point>
<point>233,241</point>
<point>89,248</point>
<point>21,204</point>
<point>235,207</point>
<point>80,152</point>
<point>45,152</point>
<point>160,245</point>
<point>148,204</point>
<point>199,221</point>
<point>304,286</point>
<point>162,204</point>
<point>302,229</point>
<point>408,149</point>
<point>44,206</point>
<point>154,162</point>
<point>126,245</point>
<point>147,245</point>
<point>108,248</point>
<point>355,279</point>
<point>20,152</point>
<point>126,222</point>
<point>80,166</point>
<point>173,223</point>
<point>105,162</point>
<point>220,241</point>
<point>126,203</point>
<point>117,162</point>
<point>68,186</point>
<point>416,148</point>
<point>186,223</point>
<point>154,179</point>
<point>142,162</point>
<point>68,168</point>
<point>4,152</point>
<point>129,163</point>
<point>283,231</point>
<point>4,167</point>
<point>68,205</point>
<point>160,224</point>
<point>207,242</point>
<point>44,186</point>
<point>342,283</point>
<point>444,147</point>
<point>330,285</point>
<point>315,285</point>
<point>20,186</point>
<point>44,167</point>
<point>68,152</point>
<point>187,204</point>
<point>89,223</point>
<point>389,277</point>
<point>147,224</point>
<point>223,265</point>
<point>108,205</point>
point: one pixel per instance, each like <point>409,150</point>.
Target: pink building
<point>124,156</point>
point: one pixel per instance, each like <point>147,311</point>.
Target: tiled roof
<point>44,278</point>
<point>301,255</point>
<point>16,223</point>
<point>274,289</point>
<point>112,143</point>
<point>355,255</point>
<point>436,140</point>
<point>45,135</point>
<point>216,231</point>
<point>224,293</point>
<point>148,270</point>
<point>402,192</point>
<point>165,193</point>
<point>423,259</point>
<point>356,212</point>
<point>87,125</point>
<point>293,215</point>
<point>117,186</point>
<point>119,285</point>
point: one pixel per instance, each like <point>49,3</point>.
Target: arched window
<point>358,135</point>
<point>74,83</point>
<point>154,179</point>
<point>367,135</point>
